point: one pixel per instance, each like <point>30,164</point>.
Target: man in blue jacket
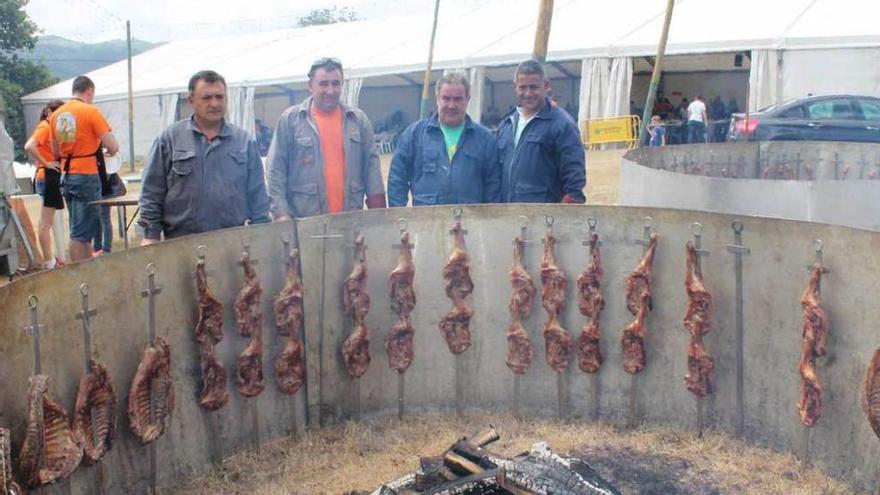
<point>446,158</point>
<point>539,145</point>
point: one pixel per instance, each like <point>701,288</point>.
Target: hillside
<point>67,58</point>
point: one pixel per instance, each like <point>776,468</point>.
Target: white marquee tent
<point>791,48</point>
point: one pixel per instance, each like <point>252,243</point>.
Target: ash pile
<point>468,468</point>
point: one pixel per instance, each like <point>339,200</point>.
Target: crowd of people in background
<point>690,121</point>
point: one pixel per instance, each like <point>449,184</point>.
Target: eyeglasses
<point>325,63</point>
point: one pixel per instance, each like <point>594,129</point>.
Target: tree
<point>330,15</point>
<point>18,77</point>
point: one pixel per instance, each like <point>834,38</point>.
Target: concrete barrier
<point>775,275</point>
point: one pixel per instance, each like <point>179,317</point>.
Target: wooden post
<point>424,111</point>
<point>655,77</point>
<point>130,101</point>
<point>542,31</point>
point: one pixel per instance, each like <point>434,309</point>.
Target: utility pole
<point>542,32</point>
<point>655,77</point>
<point>130,101</point>
<point>424,111</point>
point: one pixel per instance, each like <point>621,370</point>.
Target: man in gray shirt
<point>203,173</point>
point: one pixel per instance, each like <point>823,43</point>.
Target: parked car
<point>815,118</point>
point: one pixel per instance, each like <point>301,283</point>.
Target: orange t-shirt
<point>76,128</point>
<point>44,146</point>
<point>333,151</point>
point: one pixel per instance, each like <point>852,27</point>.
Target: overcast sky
<point>163,20</point>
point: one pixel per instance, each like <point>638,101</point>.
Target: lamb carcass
<point>815,331</point>
<point>553,279</point>
<point>810,403</point>
<point>356,351</point>
<point>50,452</point>
<point>700,376</point>
<point>633,340</point>
<point>355,298</point>
<point>94,415</point>
<point>591,302</point>
<point>152,379</point>
<point>519,347</point>
<point>399,345</point>
<point>871,400</point>
<point>248,313</point>
<point>290,372</point>
<point>589,352</point>
<point>403,297</point>
<point>522,298</point>
<point>8,486</point>
<point>210,322</point>
<point>455,327</point>
<point>557,345</point>
<point>209,331</point>
<point>816,324</point>
<point>457,271</point>
<point>214,394</point>
<point>638,283</point>
<point>249,368</point>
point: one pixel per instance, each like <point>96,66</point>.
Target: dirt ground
<point>355,458</point>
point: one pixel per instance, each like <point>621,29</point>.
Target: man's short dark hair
<point>81,84</point>
<point>208,76</point>
<point>49,108</point>
<point>528,67</point>
<point>326,63</point>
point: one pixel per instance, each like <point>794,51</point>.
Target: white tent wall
<point>168,109</point>
<point>381,103</point>
<point>708,84</point>
<point>806,72</point>
<point>477,76</point>
<point>147,123</point>
<point>764,84</point>
<point>269,108</point>
<point>240,107</point>
<point>351,91</point>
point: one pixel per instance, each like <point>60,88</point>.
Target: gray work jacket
<point>193,185</point>
<point>295,164</point>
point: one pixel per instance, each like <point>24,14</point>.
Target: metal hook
<point>737,226</point>
<point>592,223</point>
<point>457,212</point>
<point>151,268</point>
<point>697,228</point>
<point>549,220</point>
<point>401,225</point>
<point>201,251</point>
<point>32,301</point>
<point>84,289</point>
<point>285,237</point>
<point>523,221</point>
<point>819,245</point>
<point>649,222</point>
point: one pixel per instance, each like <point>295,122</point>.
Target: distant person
<point>732,106</point>
<point>323,157</point>
<point>696,123</point>
<point>657,132</point>
<point>539,145</point>
<point>682,111</point>
<point>203,173</point>
<point>47,181</point>
<point>80,133</point>
<point>263,135</point>
<point>446,158</point>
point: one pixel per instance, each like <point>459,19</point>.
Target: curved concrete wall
<point>828,182</point>
<point>774,276</point>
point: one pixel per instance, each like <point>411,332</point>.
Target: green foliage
<point>18,77</point>
<point>330,15</point>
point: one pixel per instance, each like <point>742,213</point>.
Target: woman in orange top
<point>48,180</point>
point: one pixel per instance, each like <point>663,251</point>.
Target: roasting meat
<point>248,312</point>
<point>701,367</point>
<point>523,296</point>
<point>94,416</point>
<point>591,302</point>
<point>589,353</point>
<point>50,452</point>
<point>519,347</point>
<point>457,271</point>
<point>356,351</point>
<point>815,319</point>
<point>871,401</point>
<point>152,379</point>
<point>638,282</point>
<point>456,328</point>
<point>557,345</point>
<point>399,345</point>
<point>355,299</point>
<point>634,340</point>
<point>214,394</point>
<point>810,403</point>
<point>403,298</point>
<point>290,371</point>
<point>249,368</point>
<point>553,278</point>
<point>210,323</point>
<point>289,303</point>
<point>8,486</point>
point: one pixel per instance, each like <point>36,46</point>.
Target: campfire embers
<point>467,468</point>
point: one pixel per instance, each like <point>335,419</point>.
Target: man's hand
<point>147,242</point>
<point>56,166</point>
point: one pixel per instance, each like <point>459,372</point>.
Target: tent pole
<point>655,77</point>
<point>424,111</point>
<point>542,32</point>
<point>130,101</point>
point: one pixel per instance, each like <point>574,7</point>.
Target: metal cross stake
<point>251,402</point>
<point>285,244</point>
<point>459,360</point>
<point>523,234</point>
<point>34,330</point>
<point>323,236</point>
<point>401,227</point>
<point>699,253</point>
<point>592,223</point>
<point>210,418</point>
<point>150,293</point>
<point>738,251</point>
<point>818,246</point>
<point>355,383</point>
<point>632,420</point>
<point>561,385</point>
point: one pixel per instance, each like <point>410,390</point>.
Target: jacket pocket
<point>182,162</point>
<point>305,150</point>
<point>530,193</point>
<point>304,199</point>
<point>425,199</point>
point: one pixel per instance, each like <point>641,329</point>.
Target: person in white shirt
<point>697,121</point>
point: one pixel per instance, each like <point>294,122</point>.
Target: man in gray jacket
<point>323,157</point>
<point>203,173</point>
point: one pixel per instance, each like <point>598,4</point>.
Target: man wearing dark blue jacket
<point>540,148</point>
<point>446,158</point>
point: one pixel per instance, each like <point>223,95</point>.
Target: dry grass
<point>360,456</point>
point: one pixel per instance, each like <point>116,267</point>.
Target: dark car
<point>816,118</point>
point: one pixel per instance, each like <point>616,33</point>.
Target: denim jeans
<point>104,232</point>
<point>696,132</point>
<point>79,190</point>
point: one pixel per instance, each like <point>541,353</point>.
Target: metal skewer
<point>356,382</point>
<point>85,315</point>
<point>738,251</point>
<point>319,413</point>
<point>818,245</point>
<point>251,402</point>
<point>561,382</point>
<point>459,360</point>
<point>286,250</point>
<point>632,419</point>
<point>211,418</point>
<point>697,229</point>
<point>401,226</point>
<point>150,293</point>
<point>592,223</point>
<point>517,393</point>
